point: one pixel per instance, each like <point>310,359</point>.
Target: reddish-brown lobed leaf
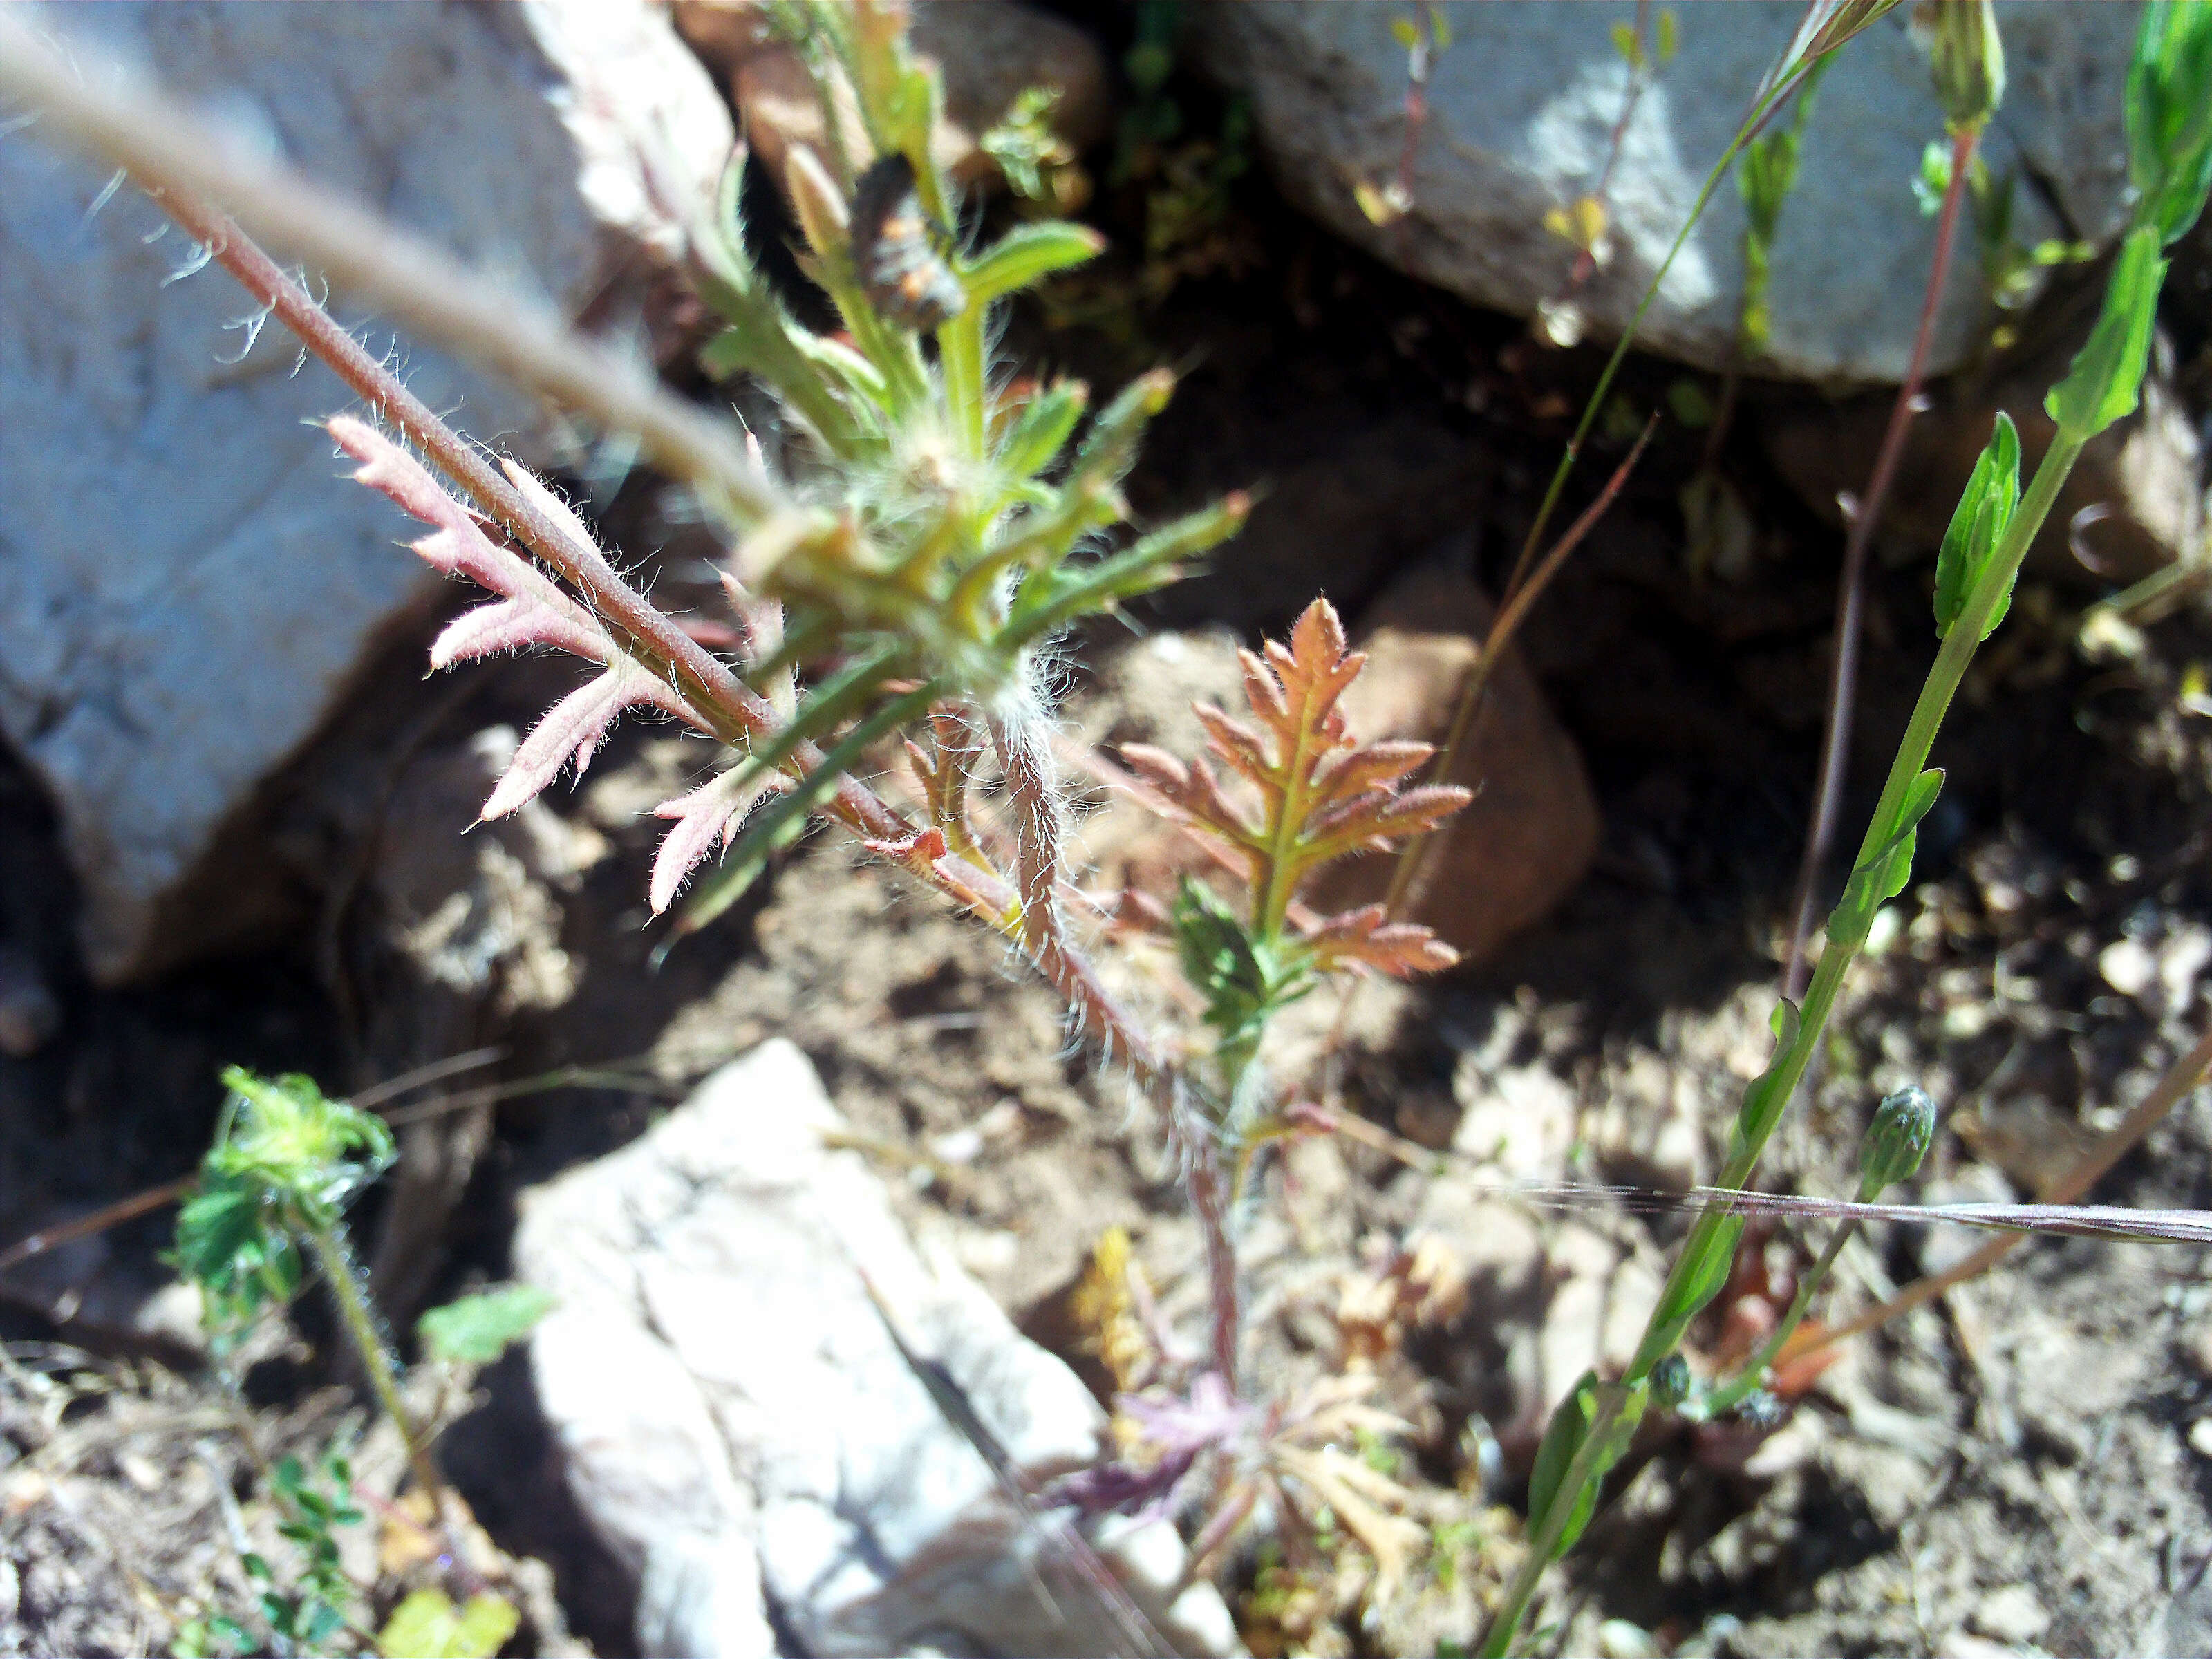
<point>1321,795</point>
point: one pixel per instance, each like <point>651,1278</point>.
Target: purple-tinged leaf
<point>1368,935</point>
<point>709,814</point>
<point>573,728</point>
<point>540,613</point>
<point>511,625</point>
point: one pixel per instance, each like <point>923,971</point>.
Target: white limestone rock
<point>738,1423</point>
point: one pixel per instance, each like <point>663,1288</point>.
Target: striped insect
<point>895,249</point>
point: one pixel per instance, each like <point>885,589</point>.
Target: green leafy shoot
<point>285,1162</point>
<point>477,1329</point>
<point>319,1602</point>
<point>1766,176</point>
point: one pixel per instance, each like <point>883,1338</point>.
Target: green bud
<point>1671,1381</point>
<point>1967,60</point>
<point>1978,526</point>
<point>1897,1138</point>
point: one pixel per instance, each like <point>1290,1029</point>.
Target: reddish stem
<point>1033,792</point>
<point>1843,688</point>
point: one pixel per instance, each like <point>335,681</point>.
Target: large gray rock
<point>1523,107</point>
<point>186,584</point>
<point>736,1423</point>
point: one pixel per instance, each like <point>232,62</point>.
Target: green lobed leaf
<point>1220,960</point>
<point>478,1330</point>
<point>1976,527</point>
<point>2106,375</point>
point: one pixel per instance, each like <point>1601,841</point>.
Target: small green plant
<point>269,1208</point>
<point>2169,119</point>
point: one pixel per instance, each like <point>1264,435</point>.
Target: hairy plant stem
<point>1850,586</point>
<point>1942,683</point>
<point>187,171</point>
<point>1033,792</point>
<point>337,1269</point>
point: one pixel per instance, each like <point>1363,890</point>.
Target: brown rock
<point>1533,827</point>
<point>2138,490</point>
<point>989,52</point>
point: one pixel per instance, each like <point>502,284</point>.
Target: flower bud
<point>1968,62</point>
<point>1904,1124</point>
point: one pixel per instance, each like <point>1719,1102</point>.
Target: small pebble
<point>2128,967</point>
<point>2011,1614</point>
<point>2200,1437</point>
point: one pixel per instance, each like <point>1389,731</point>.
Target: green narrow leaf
<point>1669,35</point>
<point>1564,1438</point>
<point>1882,876</point>
<point>2106,375</point>
<point>1061,595</point>
<point>1758,1098</point>
<point>1026,254</point>
<point>1704,1271</point>
<point>1976,527</point>
<point>1403,32</point>
<point>478,1330</point>
<point>1042,430</point>
<point>2169,116</point>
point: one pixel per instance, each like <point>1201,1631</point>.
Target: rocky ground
<point>2026,1467</point>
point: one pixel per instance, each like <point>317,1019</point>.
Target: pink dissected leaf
<point>1157,768</point>
<point>538,611</point>
<point>710,813</point>
<point>509,625</point>
<point>1238,745</point>
<point>1369,936</point>
<point>1192,793</point>
<point>573,728</point>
